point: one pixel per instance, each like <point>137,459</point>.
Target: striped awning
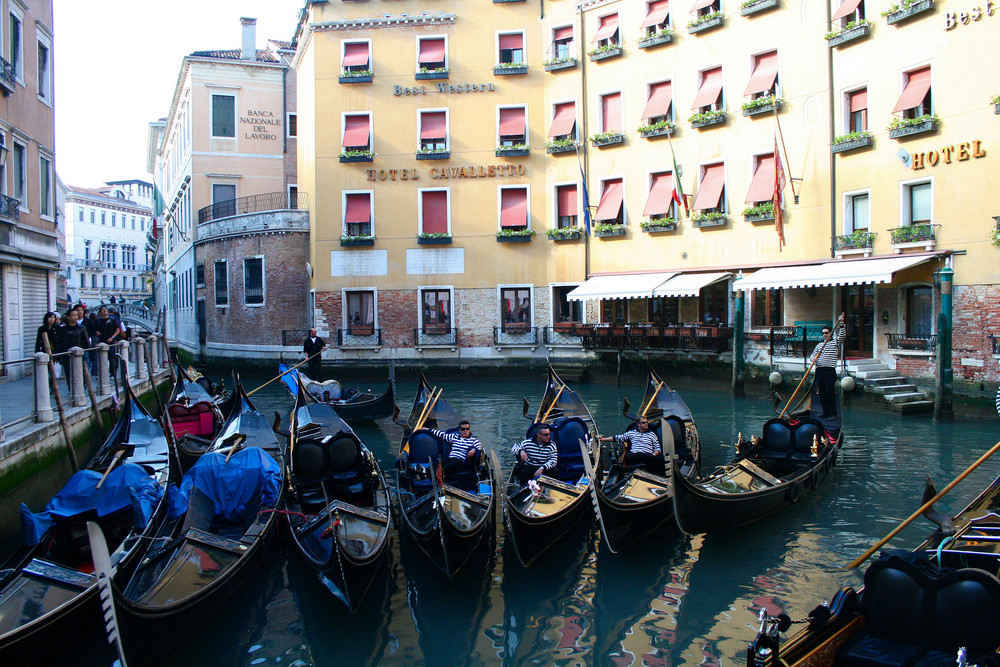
<point>827,274</point>
<point>634,286</point>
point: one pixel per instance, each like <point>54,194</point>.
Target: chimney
<point>249,51</point>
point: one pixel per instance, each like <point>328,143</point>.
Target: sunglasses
<point>464,428</point>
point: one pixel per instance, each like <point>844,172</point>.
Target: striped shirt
<point>459,446</point>
<point>998,402</point>
<point>831,353</point>
<point>537,454</point>
<point>640,443</point>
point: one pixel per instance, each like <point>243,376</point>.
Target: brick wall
<point>975,315</point>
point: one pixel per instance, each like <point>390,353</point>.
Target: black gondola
<point>351,404</point>
<point>447,516</point>
<point>218,524</point>
<point>769,473</point>
<point>338,501</point>
<point>48,589</point>
<point>536,519</point>
<point>632,501</point>
<point>194,415</point>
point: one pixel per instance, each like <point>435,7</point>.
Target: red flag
<point>678,194</point>
<point>779,185</point>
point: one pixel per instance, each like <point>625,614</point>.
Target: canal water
<point>672,600</point>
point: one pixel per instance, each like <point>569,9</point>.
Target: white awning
<point>827,274</point>
<point>620,287</point>
<point>689,284</point>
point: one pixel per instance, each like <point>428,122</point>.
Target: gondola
<point>632,501</point>
<point>350,404</point>
<point>447,516</point>
<point>218,523</point>
<point>923,607</point>
<point>193,415</point>
<point>537,519</point>
<point>48,588</point>
<point>338,501</point>
<point>770,473</point>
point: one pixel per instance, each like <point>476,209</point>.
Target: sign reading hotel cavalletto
<point>263,125</point>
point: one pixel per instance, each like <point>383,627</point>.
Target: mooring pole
<point>738,386</point>
<point>943,407</point>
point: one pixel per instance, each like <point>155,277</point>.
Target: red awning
<point>512,41</point>
<point>765,72</point>
<point>562,33</point>
<point>356,131</point>
<point>564,120</point>
<point>710,188</point>
<point>918,82</point>
<point>434,207</point>
<point>611,201</point>
<point>432,125</point>
<point>859,100</point>
<point>611,112</point>
<point>658,103</point>
<point>512,122</point>
<point>359,207</point>
<point>567,201</point>
<point>355,53</point>
<point>701,4</point>
<point>847,8</point>
<point>762,184</point>
<point>711,86</point>
<point>658,202</point>
<point>657,13</point>
<point>608,27</point>
<point>514,207</point>
<point>431,51</point>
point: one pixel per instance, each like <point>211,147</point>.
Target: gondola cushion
<point>567,435</point>
<point>805,432</point>
<point>777,439</point>
<point>679,430</point>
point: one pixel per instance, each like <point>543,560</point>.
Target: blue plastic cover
<point>128,485</point>
<point>290,378</point>
<point>238,489</point>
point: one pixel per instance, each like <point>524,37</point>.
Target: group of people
<point>83,329</point>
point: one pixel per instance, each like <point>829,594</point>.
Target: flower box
<point>507,70</point>
<point>501,2</point>
<point>910,130</point>
<point>561,148</point>
<point>656,40</point>
<point>751,109</point>
<point>907,13</point>
<point>427,76</point>
<point>608,139</point>
<point>355,78</point>
<point>357,240</point>
<point>849,35</point>
<point>564,234</point>
<point>654,132</point>
<point>433,240</point>
<point>709,222</point>
<point>757,7</point>
<point>433,155</point>
<point>655,229</point>
<point>610,230</point>
<point>996,108</point>
<point>710,120</point>
<point>363,157</point>
<point>523,237</point>
<point>560,63</point>
<point>852,144</point>
<point>512,152</point>
<point>605,53</point>
<point>707,24</point>
<point>759,217</point>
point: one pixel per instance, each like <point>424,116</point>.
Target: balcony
<point>510,69</point>
<point>911,342</point>
<point>514,334</point>
<point>271,201</point>
<point>609,229</point>
<point>705,119</point>
<point>361,76</point>
<point>10,208</point>
<point>430,74</point>
<point>706,22</point>
<point>913,236</point>
<point>571,233</point>
<point>359,337</point>
<point>606,139</point>
<point>433,154</point>
<point>852,142</point>
<point>709,220</point>
<point>901,128</point>
<point>855,243</point>
<point>663,128</point>
<point>435,335</point>
<point>522,150</point>
<point>562,334</point>
<point>762,105</point>
<point>91,264</point>
<point>8,77</point>
<point>557,146</point>
<point>646,336</point>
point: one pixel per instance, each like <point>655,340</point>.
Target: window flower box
<point>519,150</point>
<point>707,119</point>
<point>502,2</point>
<point>560,146</point>
<point>438,238</point>
<point>709,220</point>
<point>606,139</point>
<point>661,128</point>
<point>706,22</point>
<point>556,64</point>
<point>763,212</point>
<point>357,240</point>
<point>657,225</point>
<point>852,141</point>
<point>853,31</point>
<point>761,105</point>
<point>433,154</point>
<point>357,156</point>
<point>604,229</point>
<point>515,235</point>
<point>665,36</point>
<point>359,76</point>
<point>905,127</point>
<point>995,232</point>
<point>995,101</point>
<point>756,6</point>
<point>429,74</point>
<point>605,52</point>
<point>564,233</point>
<point>857,240</point>
<point>509,69</point>
<point>905,10</point>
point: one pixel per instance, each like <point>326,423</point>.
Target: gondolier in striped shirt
<point>826,355</point>
<point>464,448</point>
<point>535,456</point>
<point>644,447</point>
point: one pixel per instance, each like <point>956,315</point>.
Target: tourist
<point>535,456</point>
<point>313,346</point>
<point>464,448</point>
<point>825,356</point>
<point>109,332</point>
<point>644,447</point>
<point>70,336</point>
<point>50,328</point>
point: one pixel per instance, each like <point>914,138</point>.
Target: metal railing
<point>683,337</point>
<point>435,335</point>
<point>293,337</point>
<point>8,76</point>
<point>271,201</point>
<point>923,342</point>
<point>359,336</point>
<point>10,208</point>
<point>95,264</point>
<point>994,338</point>
<point>514,334</point>
<point>913,233</point>
<point>562,334</point>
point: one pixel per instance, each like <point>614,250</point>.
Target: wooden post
<point>89,383</point>
<point>62,415</point>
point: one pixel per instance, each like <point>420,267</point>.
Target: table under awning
<point>633,286</point>
<point>829,274</point>
<point>689,284</point>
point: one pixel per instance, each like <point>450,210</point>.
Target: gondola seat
<point>567,435</point>
<point>777,440</point>
<point>425,450</point>
<point>806,431</point>
<point>197,419</point>
<point>346,470</point>
<point>679,430</point>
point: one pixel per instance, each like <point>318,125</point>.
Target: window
<point>104,217</point>
<point>221,284</point>
<point>83,280</point>
<point>253,281</point>
<point>704,7</point>
<point>92,216</point>
<point>514,207</point>
<point>917,203</point>
<point>357,132</point>
<point>850,11</point>
<point>919,310</point>
<point>765,308</point>
<point>199,275</point>
<point>611,112</point>
<point>659,103</point>
<point>711,190</point>
<point>709,97</point>
<point>563,122</point>
<point>512,128</point>
<point>857,217</point>
<point>358,214</point>
<point>93,281</point>
<point>434,130</point>
<point>857,110</point>
<point>293,196</point>
<point>3,166</point>
<point>562,42</point>
<point>515,308</point>
<point>360,312</point>
<point>431,54</point>
<point>763,182</point>
<point>133,222</point>
<point>916,98</point>
<point>563,308</point>
<point>567,206</point>
<point>79,214</point>
<point>657,17</point>
<point>511,48</point>
<point>224,116</point>
<point>607,31</point>
<point>112,219</point>
<point>356,57</point>
<point>764,79</point>
<point>660,203</point>
<point>610,210</point>
<point>44,71</point>
<point>663,310</point>
<point>223,199</point>
<point>20,167</point>
<point>114,282</point>
<point>104,281</point>
<point>434,212</point>
<point>435,310</point>
<point>45,186</point>
<point>292,123</point>
<point>614,311</point>
<point>16,46</point>
<point>714,304</point>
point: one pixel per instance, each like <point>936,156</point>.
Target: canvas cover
<point>238,489</point>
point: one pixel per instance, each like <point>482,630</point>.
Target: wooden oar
<point>430,409</point>
<point>923,508</point>
<point>589,467</point>
<point>102,568</point>
<point>652,398</point>
<point>427,402</point>
<point>285,372</point>
<point>806,374</point>
<point>114,462</point>
<point>552,405</point>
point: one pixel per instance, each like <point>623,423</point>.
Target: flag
<point>158,207</point>
<point>779,185</point>
<point>678,194</point>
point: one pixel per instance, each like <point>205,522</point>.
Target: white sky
<point>116,65</point>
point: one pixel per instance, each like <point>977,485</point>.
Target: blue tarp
<point>128,485</point>
<point>290,379</point>
<point>238,489</point>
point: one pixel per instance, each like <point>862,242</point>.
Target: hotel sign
<point>959,152</point>
<point>444,88</point>
<point>952,19</point>
<point>472,171</point>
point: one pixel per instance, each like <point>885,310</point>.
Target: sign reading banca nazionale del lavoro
<point>263,125</point>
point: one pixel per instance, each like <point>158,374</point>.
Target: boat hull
<point>533,529</point>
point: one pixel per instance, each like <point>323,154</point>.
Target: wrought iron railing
<point>685,337</point>
<point>271,201</point>
<point>293,337</point>
<point>359,336</point>
<point>8,76</point>
<point>513,334</point>
<point>562,334</point>
<point>912,233</point>
<point>996,341</point>
<point>435,335</point>
<point>10,208</point>
<point>856,240</point>
<point>897,341</point>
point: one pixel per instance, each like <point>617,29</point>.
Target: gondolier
<point>825,355</point>
<point>644,446</point>
<point>535,456</point>
<point>464,447</point>
<point>313,345</point>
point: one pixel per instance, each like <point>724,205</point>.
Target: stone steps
<point>896,391</point>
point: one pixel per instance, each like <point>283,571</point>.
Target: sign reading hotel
<point>959,152</point>
<point>260,124</point>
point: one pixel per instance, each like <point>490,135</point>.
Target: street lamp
<point>3,152</point>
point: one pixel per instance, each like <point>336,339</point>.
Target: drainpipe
<point>581,130</point>
<point>943,408</point>
<point>738,387</point>
<point>833,158</point>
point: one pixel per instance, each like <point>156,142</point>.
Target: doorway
<point>859,309</point>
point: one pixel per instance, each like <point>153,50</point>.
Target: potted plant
<point>609,229</point>
<point>515,234</point>
<point>357,156</point>
<point>660,128</point>
<point>605,51</point>
<point>761,105</point>
<point>653,225</point>
<point>357,240</point>
<point>501,69</point>
<point>706,118</point>
<point>662,36</point>
<point>356,76</point>
<point>708,219</point>
<point>425,73</point>
<point>901,127</point>
<point>849,32</point>
<point>851,140</point>
<point>607,139</point>
<point>563,62</point>
<point>515,150</point>
<point>760,212</point>
<point>560,145</point>
<point>433,238</point>
<point>705,21</point>
<point>995,100</point>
